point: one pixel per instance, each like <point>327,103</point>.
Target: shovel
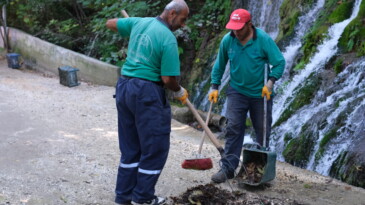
<point>258,165</point>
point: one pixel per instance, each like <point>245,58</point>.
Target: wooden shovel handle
<point>205,127</point>
<point>124,13</point>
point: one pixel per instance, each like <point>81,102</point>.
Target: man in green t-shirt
<point>144,113</point>
<point>248,50</point>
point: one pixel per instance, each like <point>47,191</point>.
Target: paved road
<point>58,145</point>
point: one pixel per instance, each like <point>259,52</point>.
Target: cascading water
<point>348,97</point>
<point>295,44</point>
<point>342,102</point>
<point>324,52</point>
<point>265,15</point>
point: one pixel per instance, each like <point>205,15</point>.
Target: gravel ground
<point>58,145</point>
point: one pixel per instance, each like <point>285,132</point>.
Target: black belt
<point>159,83</point>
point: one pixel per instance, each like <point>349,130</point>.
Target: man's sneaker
<point>119,202</point>
<point>156,201</point>
<point>222,176</point>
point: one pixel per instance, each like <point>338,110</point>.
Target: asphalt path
<point>59,145</point>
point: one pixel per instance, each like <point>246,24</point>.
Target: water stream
<point>346,97</point>
<point>349,86</point>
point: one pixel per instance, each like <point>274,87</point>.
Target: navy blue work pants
<point>237,107</point>
<point>144,126</point>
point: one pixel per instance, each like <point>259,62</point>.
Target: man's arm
<point>112,24</point>
<point>179,92</point>
<point>171,83</point>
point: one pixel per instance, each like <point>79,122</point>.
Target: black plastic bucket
<point>68,76</point>
<point>13,60</point>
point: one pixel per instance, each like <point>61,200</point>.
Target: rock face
<point>350,165</point>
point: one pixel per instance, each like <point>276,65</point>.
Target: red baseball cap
<point>238,19</point>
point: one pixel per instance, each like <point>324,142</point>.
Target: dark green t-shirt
<point>247,62</point>
<point>152,50</point>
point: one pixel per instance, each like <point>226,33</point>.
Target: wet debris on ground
<point>209,194</point>
<point>206,194</point>
<point>253,172</point>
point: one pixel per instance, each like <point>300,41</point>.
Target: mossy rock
<point>303,96</point>
<point>349,169</point>
<point>342,12</point>
<point>298,150</point>
<point>290,11</point>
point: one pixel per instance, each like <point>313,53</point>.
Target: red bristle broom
<point>200,162</point>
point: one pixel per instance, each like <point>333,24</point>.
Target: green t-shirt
<point>152,49</point>
<point>247,63</point>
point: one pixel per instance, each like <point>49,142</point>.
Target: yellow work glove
<point>213,95</point>
<point>181,95</point>
<point>267,89</point>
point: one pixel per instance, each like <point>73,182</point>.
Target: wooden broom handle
<point>205,127</point>
<point>124,13</point>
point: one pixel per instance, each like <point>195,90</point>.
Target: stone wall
<point>44,56</point>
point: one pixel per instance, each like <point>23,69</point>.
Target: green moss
<point>322,145</point>
<point>307,186</point>
<point>312,40</point>
<point>338,66</point>
<point>290,10</point>
<point>353,37</point>
<point>303,97</point>
<point>288,137</point>
<point>339,101</point>
<point>300,65</point>
<point>332,12</point>
<point>203,62</point>
<point>327,137</point>
<point>298,150</point>
<point>342,12</point>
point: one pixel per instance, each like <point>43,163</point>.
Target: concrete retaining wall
<point>44,56</point>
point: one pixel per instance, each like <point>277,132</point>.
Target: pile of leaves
<point>209,194</point>
<point>253,172</point>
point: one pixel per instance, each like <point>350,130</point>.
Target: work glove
<point>213,95</point>
<point>267,89</point>
<point>181,95</point>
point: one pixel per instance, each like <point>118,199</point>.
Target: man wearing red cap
<point>248,50</point>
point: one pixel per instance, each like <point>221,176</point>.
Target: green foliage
<point>303,97</point>
<point>290,11</point>
<point>300,65</point>
<point>298,150</point>
<point>326,138</point>
<point>353,37</point>
<point>288,137</point>
<point>331,13</point>
<point>338,66</point>
<point>211,17</point>
<point>342,12</point>
<point>312,40</point>
<point>307,186</point>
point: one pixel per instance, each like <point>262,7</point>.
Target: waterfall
<point>265,15</point>
<point>352,84</point>
<point>341,101</point>
<point>291,51</point>
<point>347,97</point>
<point>324,52</point>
